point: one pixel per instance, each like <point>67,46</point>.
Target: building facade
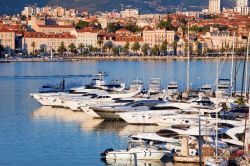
<point>7,39</point>
<point>35,41</point>
<point>240,3</point>
<point>214,6</point>
<point>87,37</point>
<point>129,13</point>
<point>242,7</point>
<point>158,36</point>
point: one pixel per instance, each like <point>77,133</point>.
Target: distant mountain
<point>145,6</point>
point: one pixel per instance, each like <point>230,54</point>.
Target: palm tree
<point>125,48</point>
<point>81,46</point>
<point>136,46</point>
<point>174,44</point>
<point>108,45</point>
<point>61,48</point>
<point>163,47</point>
<point>33,45</point>
<point>155,50</point>
<point>72,48</point>
<point>144,49</point>
<point>100,43</point>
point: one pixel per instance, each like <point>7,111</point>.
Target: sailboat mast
<point>51,53</point>
<point>188,59</point>
<point>216,136</point>
<point>217,73</point>
<point>248,136</point>
<point>232,67</point>
<point>246,74</point>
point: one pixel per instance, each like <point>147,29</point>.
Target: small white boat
<point>213,161</point>
<point>206,90</point>
<point>154,86</point>
<point>137,153</point>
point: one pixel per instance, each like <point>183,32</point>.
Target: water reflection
<point>145,163</point>
<point>89,124</point>
<point>59,113</point>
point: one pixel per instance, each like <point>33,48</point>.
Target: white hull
<point>139,155</point>
<point>211,161</point>
<point>144,117</point>
<point>88,111</point>
<point>107,114</point>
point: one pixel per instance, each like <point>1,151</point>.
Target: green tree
<point>125,48</point>
<point>163,47</point>
<point>155,50</point>
<point>33,45</point>
<point>174,44</point>
<point>82,24</point>
<point>81,47</point>
<point>132,28</point>
<point>61,49</point>
<point>23,18</point>
<point>136,46</point>
<point>115,50</point>
<point>1,50</point>
<point>72,48</point>
<point>113,27</point>
<point>100,43</point>
<point>145,49</point>
<point>108,45</point>
<point>166,25</point>
<point>90,48</point>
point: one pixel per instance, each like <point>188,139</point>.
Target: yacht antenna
<point>217,73</point>
<point>244,68</point>
<point>188,88</point>
<point>232,66</point>
<point>246,63</point>
<point>216,137</point>
<point>248,139</point>
<point>51,53</point>
<point>200,147</point>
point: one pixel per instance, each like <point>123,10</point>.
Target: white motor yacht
<point>110,112</point>
<point>154,86</point>
<point>172,91</point>
<point>76,103</point>
<point>136,153</point>
<point>150,116</point>
<point>206,90</point>
<point>87,108</point>
<point>213,161</point>
<point>223,88</point>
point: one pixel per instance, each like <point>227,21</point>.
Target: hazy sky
<point>15,6</point>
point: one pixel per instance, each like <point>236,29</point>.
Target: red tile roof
<point>56,26</point>
<point>87,29</point>
<point>43,35</point>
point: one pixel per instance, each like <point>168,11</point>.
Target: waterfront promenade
<point>138,58</point>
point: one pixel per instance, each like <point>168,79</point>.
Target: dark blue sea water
<point>35,135</point>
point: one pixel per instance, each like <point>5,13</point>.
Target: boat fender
<point>145,153</point>
<point>103,154</point>
<point>149,153</point>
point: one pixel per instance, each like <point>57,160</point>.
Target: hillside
<point>145,6</point>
